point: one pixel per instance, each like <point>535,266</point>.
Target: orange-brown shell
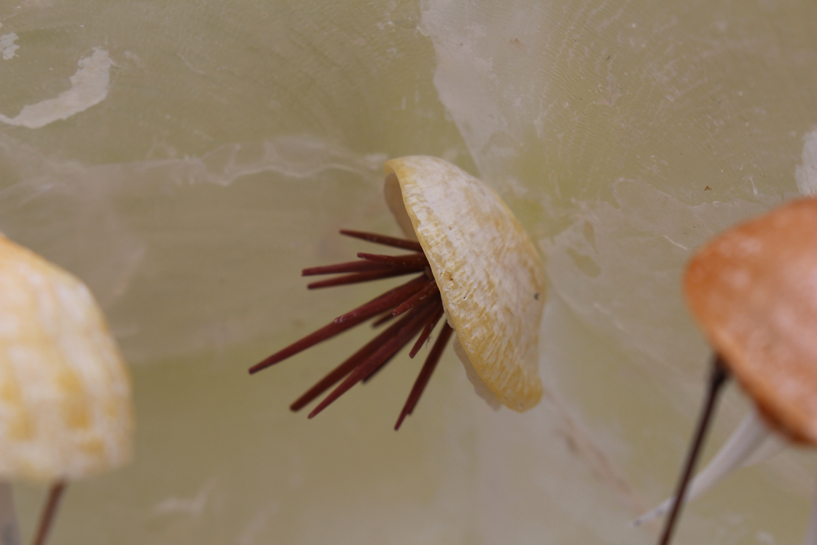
<point>488,271</point>
<point>754,292</point>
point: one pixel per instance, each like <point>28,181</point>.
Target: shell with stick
<point>753,290</point>
<point>65,393</point>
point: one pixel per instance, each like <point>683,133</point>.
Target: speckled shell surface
<point>65,394</point>
<point>754,292</point>
<point>488,271</point>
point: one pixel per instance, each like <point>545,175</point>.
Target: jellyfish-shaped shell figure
<point>65,393</point>
<point>753,291</point>
<point>474,265</point>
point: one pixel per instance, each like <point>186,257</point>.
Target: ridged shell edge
<point>488,270</point>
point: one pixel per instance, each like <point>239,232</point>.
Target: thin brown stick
<point>425,373</point>
<point>348,267</point>
<point>49,512</point>
<point>382,239</point>
<point>357,278</point>
<point>427,308</point>
<point>373,362</point>
<point>429,290</point>
<point>427,331</point>
<point>346,321</point>
<point>395,260</point>
<point>717,378</point>
<point>349,365</point>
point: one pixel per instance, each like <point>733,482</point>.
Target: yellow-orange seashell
<point>754,292</point>
<point>65,394</point>
<point>489,272</point>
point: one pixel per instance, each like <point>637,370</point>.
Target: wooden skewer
<point>49,512</point>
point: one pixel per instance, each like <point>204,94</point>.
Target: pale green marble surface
<point>186,160</point>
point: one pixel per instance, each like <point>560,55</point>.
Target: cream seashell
<point>65,394</point>
<point>488,271</point>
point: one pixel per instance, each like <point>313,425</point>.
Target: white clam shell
<point>65,394</point>
<point>488,270</point>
